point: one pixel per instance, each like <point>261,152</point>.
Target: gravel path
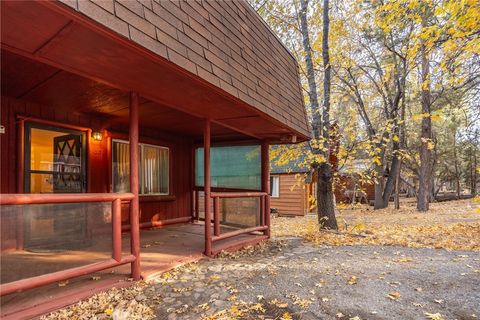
<point>309,282</point>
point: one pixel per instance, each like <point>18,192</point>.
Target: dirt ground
<point>382,265</point>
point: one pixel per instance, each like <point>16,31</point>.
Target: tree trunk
<point>320,122</point>
<point>425,170</point>
<point>383,191</point>
<point>455,162</point>
<point>326,217</point>
<point>397,188</point>
<point>474,173</point>
<point>312,85</point>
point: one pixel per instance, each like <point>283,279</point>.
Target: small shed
<point>291,188</point>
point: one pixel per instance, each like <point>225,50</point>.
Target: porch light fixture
<point>97,136</point>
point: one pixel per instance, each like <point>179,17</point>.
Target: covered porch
<point>117,162</point>
<point>120,214</point>
<point>162,250</point>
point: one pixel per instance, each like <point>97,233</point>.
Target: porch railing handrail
<point>45,198</point>
<point>117,257</point>
<point>264,223</point>
<point>247,194</point>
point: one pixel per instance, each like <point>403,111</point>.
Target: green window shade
<point>237,167</point>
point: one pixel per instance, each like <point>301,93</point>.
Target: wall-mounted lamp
<point>97,136</point>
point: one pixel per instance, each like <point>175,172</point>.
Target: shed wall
<point>292,197</point>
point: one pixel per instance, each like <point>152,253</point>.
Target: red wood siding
<point>98,167</point>
<point>346,183</point>
<point>292,198</point>
<point>225,43</point>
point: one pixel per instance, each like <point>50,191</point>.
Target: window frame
<point>141,172</point>
<point>27,171</point>
<point>273,178</point>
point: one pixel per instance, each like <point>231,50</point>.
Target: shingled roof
<point>226,43</point>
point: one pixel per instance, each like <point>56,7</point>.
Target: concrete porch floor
<point>161,250</point>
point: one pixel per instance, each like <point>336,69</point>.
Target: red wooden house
<point>122,115</point>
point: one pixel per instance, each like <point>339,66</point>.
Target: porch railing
<point>264,221</point>
<point>216,196</point>
<point>117,257</point>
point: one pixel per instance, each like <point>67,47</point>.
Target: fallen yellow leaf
<point>394,295</point>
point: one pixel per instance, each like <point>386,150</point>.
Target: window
<point>275,186</point>
<point>235,167</point>
<point>54,160</point>
<point>153,168</point>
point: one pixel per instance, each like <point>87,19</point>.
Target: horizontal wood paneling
<point>292,198</point>
<point>346,183</point>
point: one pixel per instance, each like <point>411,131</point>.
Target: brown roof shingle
<point>223,42</point>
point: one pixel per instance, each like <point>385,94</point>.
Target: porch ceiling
<point>32,81</point>
<point>96,68</point>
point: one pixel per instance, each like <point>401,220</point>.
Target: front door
<point>54,163</point>
<point>67,157</point>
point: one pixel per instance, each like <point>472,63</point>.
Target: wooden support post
<point>216,219</point>
<point>134,185</point>
<point>266,184</point>
<point>206,186</point>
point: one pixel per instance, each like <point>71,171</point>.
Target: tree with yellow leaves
<point>400,71</point>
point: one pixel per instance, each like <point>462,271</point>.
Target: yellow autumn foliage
<point>452,225</point>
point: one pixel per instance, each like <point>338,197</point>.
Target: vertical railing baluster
<point>197,205</point>
<point>262,210</point>
<point>216,222</point>
<point>117,229</point>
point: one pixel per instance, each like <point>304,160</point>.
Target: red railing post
<point>117,229</point>
<point>206,186</point>
<point>267,216</point>
<point>134,185</point>
<point>262,210</point>
<point>216,222</point>
<point>266,183</point>
<point>197,205</point>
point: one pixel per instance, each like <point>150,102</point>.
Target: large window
<point>235,167</point>
<point>154,168</point>
<point>54,160</point>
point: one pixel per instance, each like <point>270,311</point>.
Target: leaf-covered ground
<point>375,268</point>
<point>452,225</point>
<point>291,279</point>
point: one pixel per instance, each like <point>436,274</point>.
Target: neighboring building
<point>349,183</point>
<point>184,82</point>
<point>293,186</point>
